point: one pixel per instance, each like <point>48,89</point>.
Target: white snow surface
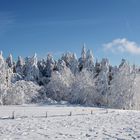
<point>83,123</point>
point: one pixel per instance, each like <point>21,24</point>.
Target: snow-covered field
<point>31,123</point>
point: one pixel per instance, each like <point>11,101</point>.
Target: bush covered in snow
<point>23,92</point>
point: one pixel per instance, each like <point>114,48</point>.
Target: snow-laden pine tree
<point>97,67</point>
<point>31,70</point>
<point>102,82</point>
<point>82,59</point>
<point>9,61</point>
<point>89,63</point>
<point>46,67</point>
<point>50,65</point>
<point>41,65</point>
<point>20,66</point>
<point>71,61</point>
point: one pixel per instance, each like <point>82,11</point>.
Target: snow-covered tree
<point>71,61</point>
<point>60,83</point>
<point>97,67</point>
<point>82,59</point>
<point>102,82</point>
<point>3,82</point>
<point>133,97</point>
<point>84,89</point>
<point>46,67</point>
<point>31,70</point>
<point>121,87</point>
<point>9,61</point>
<point>42,68</point>
<point>49,65</point>
<point>89,63</point>
<point>20,66</point>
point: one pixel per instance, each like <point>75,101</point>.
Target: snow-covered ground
<point>31,123</point>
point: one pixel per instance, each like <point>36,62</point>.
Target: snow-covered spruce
<point>79,81</point>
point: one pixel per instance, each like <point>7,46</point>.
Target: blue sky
<point>57,26</point>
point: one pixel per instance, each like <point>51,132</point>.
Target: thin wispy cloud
<point>75,21</point>
<point>6,19</point>
<point>122,46</point>
<point>63,22</point>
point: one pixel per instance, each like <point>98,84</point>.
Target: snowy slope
<point>31,123</point>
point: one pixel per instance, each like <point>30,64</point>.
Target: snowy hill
<point>67,122</point>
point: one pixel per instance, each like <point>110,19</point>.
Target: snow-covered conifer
<point>82,59</point>
<point>9,61</point>
<point>31,69</point>
<point>89,64</point>
<point>71,61</point>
